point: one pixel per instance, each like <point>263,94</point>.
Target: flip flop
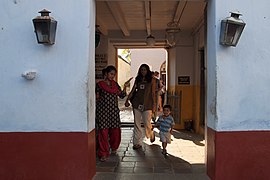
<point>152,139</point>
<point>164,152</point>
<point>103,159</point>
<point>137,146</point>
<point>113,152</point>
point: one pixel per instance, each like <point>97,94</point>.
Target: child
<point>165,124</point>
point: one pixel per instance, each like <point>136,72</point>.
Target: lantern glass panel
<point>42,32</point>
<point>52,32</point>
<point>231,33</point>
<point>234,33</point>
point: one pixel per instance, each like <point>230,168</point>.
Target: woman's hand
<point>127,83</point>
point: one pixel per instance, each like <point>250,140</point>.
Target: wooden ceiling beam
<point>179,12</point>
<point>147,17</point>
<point>119,17</point>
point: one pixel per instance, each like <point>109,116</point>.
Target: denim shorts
<point>165,137</point>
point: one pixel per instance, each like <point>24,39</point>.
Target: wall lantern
<point>170,39</point>
<point>97,36</point>
<point>45,28</point>
<point>171,30</point>
<point>231,29</point>
<point>150,40</point>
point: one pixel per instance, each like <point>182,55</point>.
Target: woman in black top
<point>142,98</point>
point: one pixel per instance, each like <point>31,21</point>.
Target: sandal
<point>164,152</point>
<point>152,139</point>
<point>103,159</point>
<point>113,152</point>
<point>137,146</point>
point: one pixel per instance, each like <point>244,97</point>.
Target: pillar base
<point>238,155</point>
<point>47,155</point>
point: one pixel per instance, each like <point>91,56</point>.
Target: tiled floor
<point>185,158</point>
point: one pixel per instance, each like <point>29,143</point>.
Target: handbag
<point>133,93</point>
<point>132,96</point>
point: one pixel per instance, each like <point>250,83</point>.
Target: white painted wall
<point>181,59</point>
<point>172,67</point>
<point>112,54</point>
<point>57,100</point>
<point>185,63</point>
<point>238,77</point>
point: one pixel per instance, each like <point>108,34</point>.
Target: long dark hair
<point>108,69</point>
<point>148,76</point>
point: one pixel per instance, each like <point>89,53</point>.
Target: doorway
<point>202,88</point>
<point>128,62</point>
<point>180,66</point>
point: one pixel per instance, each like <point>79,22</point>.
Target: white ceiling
<point>147,17</point>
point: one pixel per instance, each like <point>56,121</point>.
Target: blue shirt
<point>165,124</point>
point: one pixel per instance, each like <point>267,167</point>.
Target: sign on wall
<point>183,79</point>
<point>101,61</point>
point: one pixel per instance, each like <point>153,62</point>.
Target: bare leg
<point>164,145</point>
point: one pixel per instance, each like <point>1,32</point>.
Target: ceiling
<point>144,18</point>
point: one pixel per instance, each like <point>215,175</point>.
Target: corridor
<point>185,158</point>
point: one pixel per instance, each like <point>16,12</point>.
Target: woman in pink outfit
<point>107,113</point>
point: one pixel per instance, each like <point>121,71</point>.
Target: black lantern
<point>97,36</point>
<point>231,29</point>
<point>45,28</point>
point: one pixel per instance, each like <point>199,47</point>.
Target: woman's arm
<point>122,93</point>
<point>98,96</point>
<point>127,104</point>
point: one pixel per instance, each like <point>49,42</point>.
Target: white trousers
<point>145,117</point>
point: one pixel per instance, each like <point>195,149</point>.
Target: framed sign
<point>183,79</point>
<point>101,61</point>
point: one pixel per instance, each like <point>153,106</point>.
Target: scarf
<point>113,89</point>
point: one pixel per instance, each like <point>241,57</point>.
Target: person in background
<point>162,91</point>
<point>107,113</point>
<point>165,125</point>
<point>143,100</point>
<point>159,87</point>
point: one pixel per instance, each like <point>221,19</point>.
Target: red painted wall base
<point>47,156</point>
<point>238,155</point>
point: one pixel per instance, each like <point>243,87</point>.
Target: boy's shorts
<point>165,137</point>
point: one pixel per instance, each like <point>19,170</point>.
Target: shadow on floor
<point>188,135</point>
<point>147,163</point>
